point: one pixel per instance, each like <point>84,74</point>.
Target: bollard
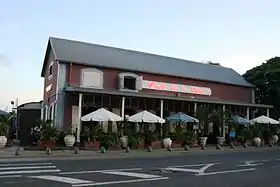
<point>17,153</point>
<point>186,148</point>
<point>245,145</point>
<point>48,151</point>
<point>102,149</point>
<point>169,148</point>
<point>127,149</point>
<point>76,150</point>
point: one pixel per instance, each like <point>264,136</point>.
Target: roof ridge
<point>142,52</point>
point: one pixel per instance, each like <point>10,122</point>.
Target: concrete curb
<point>123,155</point>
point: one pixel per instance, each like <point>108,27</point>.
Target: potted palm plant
<point>48,134</point>
<point>5,121</point>
<point>219,118</point>
<point>202,114</point>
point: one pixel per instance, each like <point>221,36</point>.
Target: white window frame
<point>138,86</point>
<point>92,70</point>
<point>50,66</point>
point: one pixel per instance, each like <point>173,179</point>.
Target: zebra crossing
<point>18,169</point>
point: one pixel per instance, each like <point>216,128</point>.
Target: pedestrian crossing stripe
<point>26,168</point>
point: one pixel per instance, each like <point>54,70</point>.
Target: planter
<point>124,141</point>
<point>257,141</point>
<point>69,140</point>
<point>92,144</point>
<point>167,142</point>
<point>220,140</point>
<point>43,144</point>
<point>274,139</point>
<point>202,141</point>
<point>3,141</point>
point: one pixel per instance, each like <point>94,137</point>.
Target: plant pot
<point>202,141</point>
<point>69,140</point>
<point>257,141</point>
<point>167,142</point>
<point>220,140</point>
<point>124,141</point>
<point>274,139</point>
<point>3,141</point>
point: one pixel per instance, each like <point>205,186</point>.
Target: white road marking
<point>67,180</point>
<point>250,163</point>
<point>30,171</point>
<point>99,171</point>
<point>227,171</point>
<point>132,174</point>
<point>26,164</point>
<point>201,170</point>
<point>119,182</point>
<point>10,176</point>
<point>192,165</point>
<point>29,167</point>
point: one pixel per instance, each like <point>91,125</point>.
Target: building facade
<point>81,77</point>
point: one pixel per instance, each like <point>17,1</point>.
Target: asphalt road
<point>232,169</point>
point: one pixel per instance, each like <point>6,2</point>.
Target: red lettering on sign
<point>174,88</point>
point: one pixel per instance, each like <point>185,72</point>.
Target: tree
<point>266,78</point>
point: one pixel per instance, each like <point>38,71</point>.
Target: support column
<point>195,109</point>
<point>161,108</point>
<point>248,113</point>
<point>267,112</point>
<point>79,117</point>
<point>123,104</point>
<point>161,115</point>
<point>223,128</point>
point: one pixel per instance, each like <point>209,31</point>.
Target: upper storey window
<point>130,82</point>
<point>50,70</point>
<point>92,78</point>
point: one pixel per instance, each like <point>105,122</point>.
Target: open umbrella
<point>101,115</point>
<point>146,117</point>
<point>264,120</point>
<point>181,117</point>
<point>240,120</point>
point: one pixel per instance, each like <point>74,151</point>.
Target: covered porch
<point>82,101</point>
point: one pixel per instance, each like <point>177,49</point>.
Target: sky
<point>238,34</point>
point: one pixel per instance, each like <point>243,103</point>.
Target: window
<point>130,82</point>
<point>50,72</point>
<point>92,78</point>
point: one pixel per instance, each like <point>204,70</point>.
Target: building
<point>28,115</point>
<point>3,113</point>
<point>81,77</point>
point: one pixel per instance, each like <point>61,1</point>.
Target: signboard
<point>179,88</point>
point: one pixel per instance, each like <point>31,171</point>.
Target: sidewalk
<point>8,154</point>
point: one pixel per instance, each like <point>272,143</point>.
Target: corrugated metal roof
<point>3,113</point>
<point>103,56</point>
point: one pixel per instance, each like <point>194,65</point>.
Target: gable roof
<point>109,57</point>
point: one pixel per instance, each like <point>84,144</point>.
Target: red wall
<point>50,97</point>
<point>219,91</point>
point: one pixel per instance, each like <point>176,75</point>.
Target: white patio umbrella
<point>264,120</point>
<point>101,115</point>
<point>146,117</point>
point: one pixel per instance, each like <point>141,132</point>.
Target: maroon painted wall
<point>219,91</point>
